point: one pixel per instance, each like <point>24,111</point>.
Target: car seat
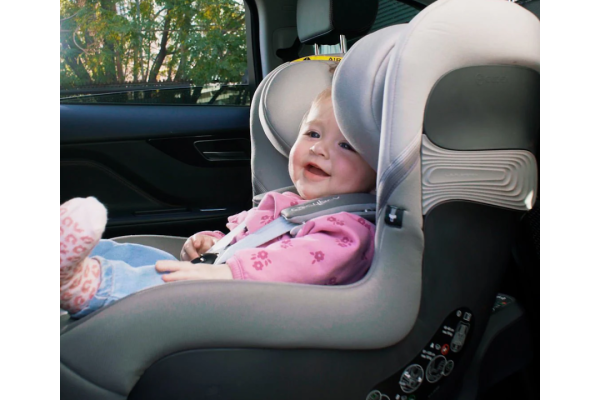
<point>451,100</point>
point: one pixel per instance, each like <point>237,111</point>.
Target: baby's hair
<point>321,96</point>
<point>325,94</point>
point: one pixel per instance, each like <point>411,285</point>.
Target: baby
<point>327,250</point>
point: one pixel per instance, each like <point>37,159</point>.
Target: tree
<point>117,42</point>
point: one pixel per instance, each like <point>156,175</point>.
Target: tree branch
<point>158,13</point>
<point>86,51</point>
<point>162,53</point>
<point>64,19</point>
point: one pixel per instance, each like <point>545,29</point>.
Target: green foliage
<point>117,42</point>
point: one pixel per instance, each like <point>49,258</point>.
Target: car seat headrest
<point>323,21</point>
<point>287,96</point>
<point>448,36</point>
<point>357,91</point>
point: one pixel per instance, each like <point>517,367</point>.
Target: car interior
<point>443,98</point>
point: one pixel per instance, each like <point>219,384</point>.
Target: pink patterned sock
<point>82,223</point>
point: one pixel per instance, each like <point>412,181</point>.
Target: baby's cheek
<point>293,167</point>
<point>347,172</point>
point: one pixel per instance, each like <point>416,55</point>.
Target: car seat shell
<point>397,306</point>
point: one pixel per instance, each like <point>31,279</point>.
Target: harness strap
<point>225,240</point>
<point>290,220</point>
<point>268,232</point>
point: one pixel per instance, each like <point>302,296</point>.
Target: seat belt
<point>360,204</point>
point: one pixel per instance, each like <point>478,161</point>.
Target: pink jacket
<point>329,250</point>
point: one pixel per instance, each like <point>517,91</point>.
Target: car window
<point>390,12</point>
<point>153,52</point>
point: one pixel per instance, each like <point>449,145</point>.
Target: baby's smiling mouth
<point>315,170</point>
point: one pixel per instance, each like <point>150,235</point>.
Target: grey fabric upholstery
<point>264,154</point>
<point>287,96</point>
<point>446,36</point>
<point>383,314</point>
<point>323,21</point>
<point>359,116</point>
<point>278,106</point>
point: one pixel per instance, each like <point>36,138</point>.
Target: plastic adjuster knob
<point>393,216</point>
<point>206,258</point>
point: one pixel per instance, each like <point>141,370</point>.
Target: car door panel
<point>171,170</point>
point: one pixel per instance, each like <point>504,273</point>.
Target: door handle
<point>224,149</point>
<point>224,155</point>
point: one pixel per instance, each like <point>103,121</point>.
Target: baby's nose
<point>319,148</point>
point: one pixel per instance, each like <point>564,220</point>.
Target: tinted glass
<point>153,52</point>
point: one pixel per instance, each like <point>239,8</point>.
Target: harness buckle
<point>206,258</point>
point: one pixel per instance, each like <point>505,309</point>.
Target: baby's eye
<point>313,134</point>
<point>347,147</point>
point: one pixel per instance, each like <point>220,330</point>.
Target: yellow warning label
<point>321,58</point>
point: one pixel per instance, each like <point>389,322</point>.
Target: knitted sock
<point>82,222</point>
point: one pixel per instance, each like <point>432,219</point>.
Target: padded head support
<point>287,96</point>
<point>289,91</point>
<point>448,35</point>
<point>362,71</point>
<point>323,21</point>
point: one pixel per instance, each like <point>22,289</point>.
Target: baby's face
<point>322,162</point>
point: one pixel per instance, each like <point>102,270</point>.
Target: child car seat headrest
<point>290,89</point>
<point>323,21</point>
<point>457,37</point>
<point>287,96</point>
<point>362,71</point>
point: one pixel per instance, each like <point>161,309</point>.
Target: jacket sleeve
<point>236,219</point>
<point>233,221</point>
<point>333,249</point>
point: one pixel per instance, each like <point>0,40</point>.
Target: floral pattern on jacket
<point>333,249</point>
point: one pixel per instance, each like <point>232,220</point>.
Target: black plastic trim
<point>190,150</point>
<point>84,123</point>
<point>255,41</point>
<point>418,4</point>
<point>505,348</point>
<point>290,53</point>
<point>171,216</point>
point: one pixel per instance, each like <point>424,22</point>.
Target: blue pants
<point>126,268</point>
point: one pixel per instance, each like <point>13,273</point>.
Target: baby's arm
<point>333,249</point>
<point>186,271</point>
<point>200,242</point>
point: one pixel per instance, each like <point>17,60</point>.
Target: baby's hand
<point>196,245</point>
